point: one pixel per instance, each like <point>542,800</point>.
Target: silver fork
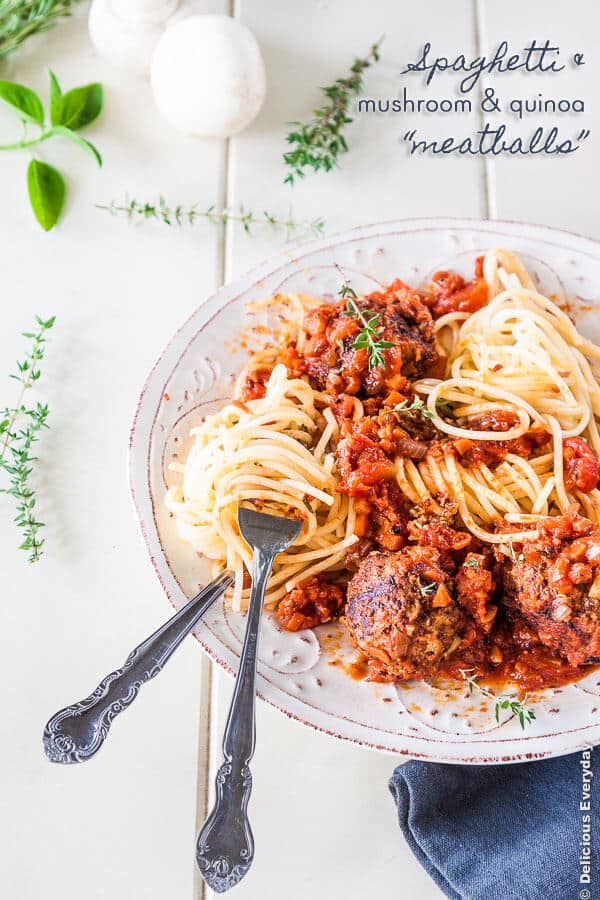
<point>225,846</point>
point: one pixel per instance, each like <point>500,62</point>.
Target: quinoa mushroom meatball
<point>555,586</point>
<point>401,613</point>
<point>334,363</point>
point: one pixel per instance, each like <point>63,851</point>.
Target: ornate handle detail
<point>77,732</point>
<point>225,846</point>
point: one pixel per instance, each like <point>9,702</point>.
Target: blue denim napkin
<point>514,832</point>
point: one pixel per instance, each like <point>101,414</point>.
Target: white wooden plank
<point>546,190</point>
<point>323,820</point>
<point>121,826</point>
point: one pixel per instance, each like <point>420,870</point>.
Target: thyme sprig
<point>20,426</point>
<point>317,143</point>
<point>369,337</point>
<point>19,19</point>
<point>189,215</point>
<point>428,589</point>
<point>416,406</point>
<point>525,714</point>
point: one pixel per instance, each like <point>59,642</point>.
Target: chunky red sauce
<point>313,602</point>
<point>491,453</point>
<point>451,293</point>
<point>532,667</point>
<point>580,464</point>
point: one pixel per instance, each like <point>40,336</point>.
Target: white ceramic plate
<point>303,674</point>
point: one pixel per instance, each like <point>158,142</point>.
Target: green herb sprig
<point>189,215</point>
<point>20,427</point>
<point>19,19</point>
<point>67,114</point>
<point>471,563</point>
<point>525,714</point>
<point>369,337</point>
<point>416,406</point>
<point>317,144</point>
<point>428,589</point>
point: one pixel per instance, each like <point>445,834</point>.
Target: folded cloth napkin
<point>517,832</point>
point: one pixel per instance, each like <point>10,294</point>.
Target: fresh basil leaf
<point>81,106</point>
<point>77,139</point>
<point>56,100</point>
<point>47,190</point>
<point>24,100</point>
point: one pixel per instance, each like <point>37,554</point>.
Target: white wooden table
<point>123,826</point>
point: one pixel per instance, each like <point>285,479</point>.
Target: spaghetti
<point>522,355</point>
<point>270,451</point>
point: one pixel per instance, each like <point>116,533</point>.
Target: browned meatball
<point>401,613</point>
<point>400,317</point>
<point>558,594</point>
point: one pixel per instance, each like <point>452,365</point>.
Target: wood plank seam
<point>207,693</point>
<point>488,193</point>
<point>202,790</point>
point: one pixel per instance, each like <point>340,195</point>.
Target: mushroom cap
<point>208,75</point>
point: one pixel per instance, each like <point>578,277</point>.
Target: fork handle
<point>225,846</point>
<point>76,733</point>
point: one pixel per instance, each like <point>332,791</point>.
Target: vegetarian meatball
<point>337,358</point>
<point>401,613</point>
<point>554,583</point>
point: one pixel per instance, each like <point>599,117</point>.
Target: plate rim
<point>210,306</point>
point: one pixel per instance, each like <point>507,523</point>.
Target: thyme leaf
<point>346,291</point>
<point>444,407</point>
<point>416,406</point>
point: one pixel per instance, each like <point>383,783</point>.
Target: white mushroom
<point>208,75</point>
<point>125,32</point>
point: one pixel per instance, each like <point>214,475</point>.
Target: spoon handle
<point>75,733</point>
<point>225,846</point>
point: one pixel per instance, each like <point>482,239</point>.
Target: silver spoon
<point>77,732</point>
<point>225,847</point>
